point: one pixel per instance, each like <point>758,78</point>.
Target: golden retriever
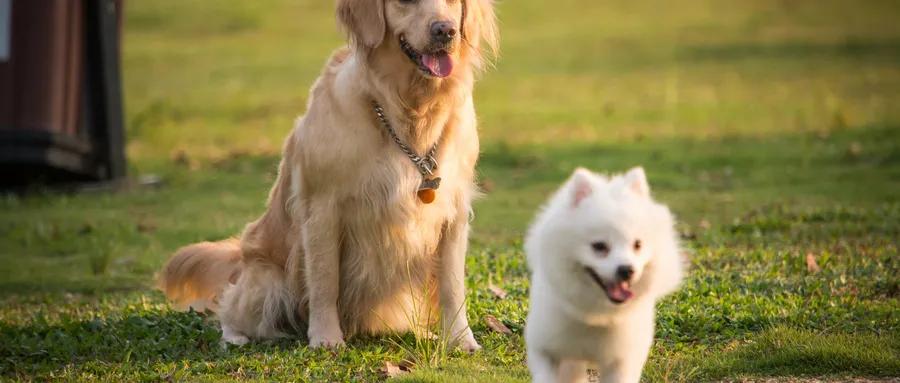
<point>346,245</point>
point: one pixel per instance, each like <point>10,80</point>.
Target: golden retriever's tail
<point>197,274</point>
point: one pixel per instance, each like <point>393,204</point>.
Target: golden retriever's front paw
<point>233,337</point>
<point>322,342</point>
<point>470,346</point>
<point>327,338</point>
<point>467,342</point>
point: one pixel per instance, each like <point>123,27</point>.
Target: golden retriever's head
<point>435,35</point>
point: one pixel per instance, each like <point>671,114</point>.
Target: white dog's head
<point>607,234</point>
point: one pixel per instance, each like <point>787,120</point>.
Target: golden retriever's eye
<point>600,247</point>
<point>408,1</point>
<point>637,245</point>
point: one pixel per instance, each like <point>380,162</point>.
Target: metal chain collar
<point>427,164</point>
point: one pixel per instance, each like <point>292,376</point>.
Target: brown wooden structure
<point>60,92</point>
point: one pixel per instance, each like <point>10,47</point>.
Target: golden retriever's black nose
<point>442,31</point>
<point>624,272</point>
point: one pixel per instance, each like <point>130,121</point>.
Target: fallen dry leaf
<point>495,324</point>
<point>811,264</point>
<point>146,227</point>
<point>704,224</point>
<point>855,149</point>
<point>180,157</point>
<point>486,185</point>
<point>496,290</point>
<point>391,369</point>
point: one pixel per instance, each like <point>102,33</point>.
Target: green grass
<point>772,128</point>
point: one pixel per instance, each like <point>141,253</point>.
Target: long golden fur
<point>345,246</point>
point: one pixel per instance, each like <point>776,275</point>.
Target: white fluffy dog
<point>601,254</point>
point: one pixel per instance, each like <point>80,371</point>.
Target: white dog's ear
<point>636,180</point>
<point>363,20</point>
<point>580,185</point>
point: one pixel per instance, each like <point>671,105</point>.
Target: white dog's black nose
<point>624,272</point>
<point>442,31</point>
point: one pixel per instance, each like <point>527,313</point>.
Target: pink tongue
<point>619,292</point>
<point>440,65</point>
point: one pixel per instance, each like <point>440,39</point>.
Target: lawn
<point>772,129</point>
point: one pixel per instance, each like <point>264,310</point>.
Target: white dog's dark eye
<point>637,244</point>
<point>600,247</point>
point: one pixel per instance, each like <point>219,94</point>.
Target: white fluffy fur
<point>572,325</point>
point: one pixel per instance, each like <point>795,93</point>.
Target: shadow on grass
<point>40,347</point>
<point>714,180</point>
<point>159,345</point>
<point>873,146</point>
<point>717,306</point>
<point>783,351</point>
<point>463,371</point>
<point>804,50</point>
<point>88,285</point>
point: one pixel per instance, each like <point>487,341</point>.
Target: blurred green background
<point>220,79</point>
<point>771,128</point>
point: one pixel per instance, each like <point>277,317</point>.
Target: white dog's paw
<point>466,342</point>
<point>327,338</point>
<point>230,336</point>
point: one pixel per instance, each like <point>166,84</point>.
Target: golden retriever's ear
<point>363,20</point>
<point>480,26</point>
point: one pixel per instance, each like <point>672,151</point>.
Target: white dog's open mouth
<point>618,292</point>
<point>437,64</point>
